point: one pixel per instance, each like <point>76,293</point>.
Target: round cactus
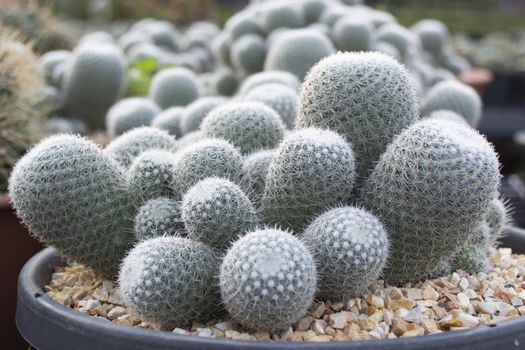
<point>125,148</point>
<point>269,77</point>
<point>448,115</point>
<point>279,15</point>
<point>352,34</point>
<point>169,120</point>
<point>432,196</point>
<point>189,139</point>
<point>350,246</point>
<point>151,175</point>
<point>220,47</point>
<point>267,280</point>
<point>197,111</point>
<point>223,82</point>
<point>433,35</point>
<point>311,170</point>
<point>387,49</point>
<point>471,260</point>
<point>174,87</point>
<point>128,114</point>
<point>404,40</point>
<point>170,281</point>
<point>158,217</point>
<point>456,97</point>
<point>241,24</point>
<point>366,97</point>
<point>254,172</point>
<point>296,51</point>
<point>207,158</point>
<point>312,9</point>
<point>215,211</point>
<point>279,97</point>
<point>248,53</point>
<point>93,81</point>
<point>51,59</point>
<point>497,218</point>
<point>72,196</point>
<point>249,125</point>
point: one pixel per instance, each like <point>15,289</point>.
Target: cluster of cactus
<point>158,217</point>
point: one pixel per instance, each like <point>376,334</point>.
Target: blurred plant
<point>140,72</point>
<point>35,23</point>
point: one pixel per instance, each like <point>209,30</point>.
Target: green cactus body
<point>387,49</point>
<point>215,211</point>
<point>281,15</point>
<point>93,81</point>
<point>431,188</point>
<point>312,169</point>
<point>296,51</point>
<point>125,148</point>
<point>267,280</point>
<point>254,172</point>
<point>456,97</point>
<point>51,59</point>
<point>206,158</point>
<point>404,40</point>
<point>224,82</point>
<point>269,77</point>
<point>352,34</point>
<point>130,113</point>
<point>189,139</point>
<point>242,24</point>
<point>171,281</point>
<point>350,246</point>
<point>312,9</point>
<point>220,47</point>
<point>174,87</point>
<point>279,97</point>
<point>197,111</point>
<point>72,196</point>
<point>151,175</point>
<point>169,120</point>
<point>366,97</point>
<point>248,53</point>
<point>249,125</point>
<point>158,217</point>
<point>433,35</point>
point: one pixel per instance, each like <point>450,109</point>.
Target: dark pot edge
<point>39,319</point>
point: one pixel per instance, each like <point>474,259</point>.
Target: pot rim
<point>47,324</point>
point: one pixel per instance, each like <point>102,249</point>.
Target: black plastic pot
<point>48,325</point>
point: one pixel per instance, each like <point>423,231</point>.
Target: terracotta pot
<point>477,78</point>
<point>17,248</point>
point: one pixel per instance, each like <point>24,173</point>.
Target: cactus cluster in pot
<point>255,205</point>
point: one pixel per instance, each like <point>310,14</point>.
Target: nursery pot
<point>478,79</point>
<point>48,325</point>
<point>17,248</point>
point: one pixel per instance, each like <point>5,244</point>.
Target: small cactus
<point>352,34</point>
<point>151,175</point>
<point>242,24</point>
<point>158,217</point>
<point>170,281</point>
<point>215,211</point>
<point>128,114</point>
<point>174,87</point>
<point>432,197</point>
<point>404,40</point>
<point>248,53</point>
<point>189,139</point>
<point>311,170</point>
<point>207,158</point>
<point>281,98</point>
<point>254,172</point>
<point>223,82</point>
<point>169,120</point>
<point>456,97</point>
<point>296,51</point>
<point>281,15</point>
<point>125,148</point>
<point>72,196</point>
<point>350,246</point>
<point>197,111</point>
<point>269,77</point>
<point>249,125</point>
<point>433,35</point>
<point>267,280</point>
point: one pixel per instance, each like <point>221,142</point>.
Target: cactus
<point>21,88</point>
<point>366,97</point>
<point>433,35</point>
<point>174,87</point>
<point>386,48</point>
<point>296,51</point>
<point>350,246</point>
<point>404,40</point>
<point>352,34</point>
<point>61,125</point>
<point>151,175</point>
<point>169,120</point>
<point>170,281</point>
<point>498,216</point>
<point>125,148</point>
<point>51,59</point>
<point>248,125</point>
<point>456,97</point>
<point>312,9</point>
<point>206,158</point>
<point>279,97</point>
<point>254,172</point>
<point>223,82</point>
<point>197,111</point>
<point>248,53</point>
<point>189,139</point>
<point>72,196</point>
<point>130,113</point>
<point>242,24</point>
<point>311,170</point>
<point>215,211</point>
<point>220,47</point>
<point>281,15</point>
<point>432,196</point>
<point>267,280</point>
<point>269,77</point>
<point>158,217</point>
<point>93,81</point>
<point>448,115</point>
